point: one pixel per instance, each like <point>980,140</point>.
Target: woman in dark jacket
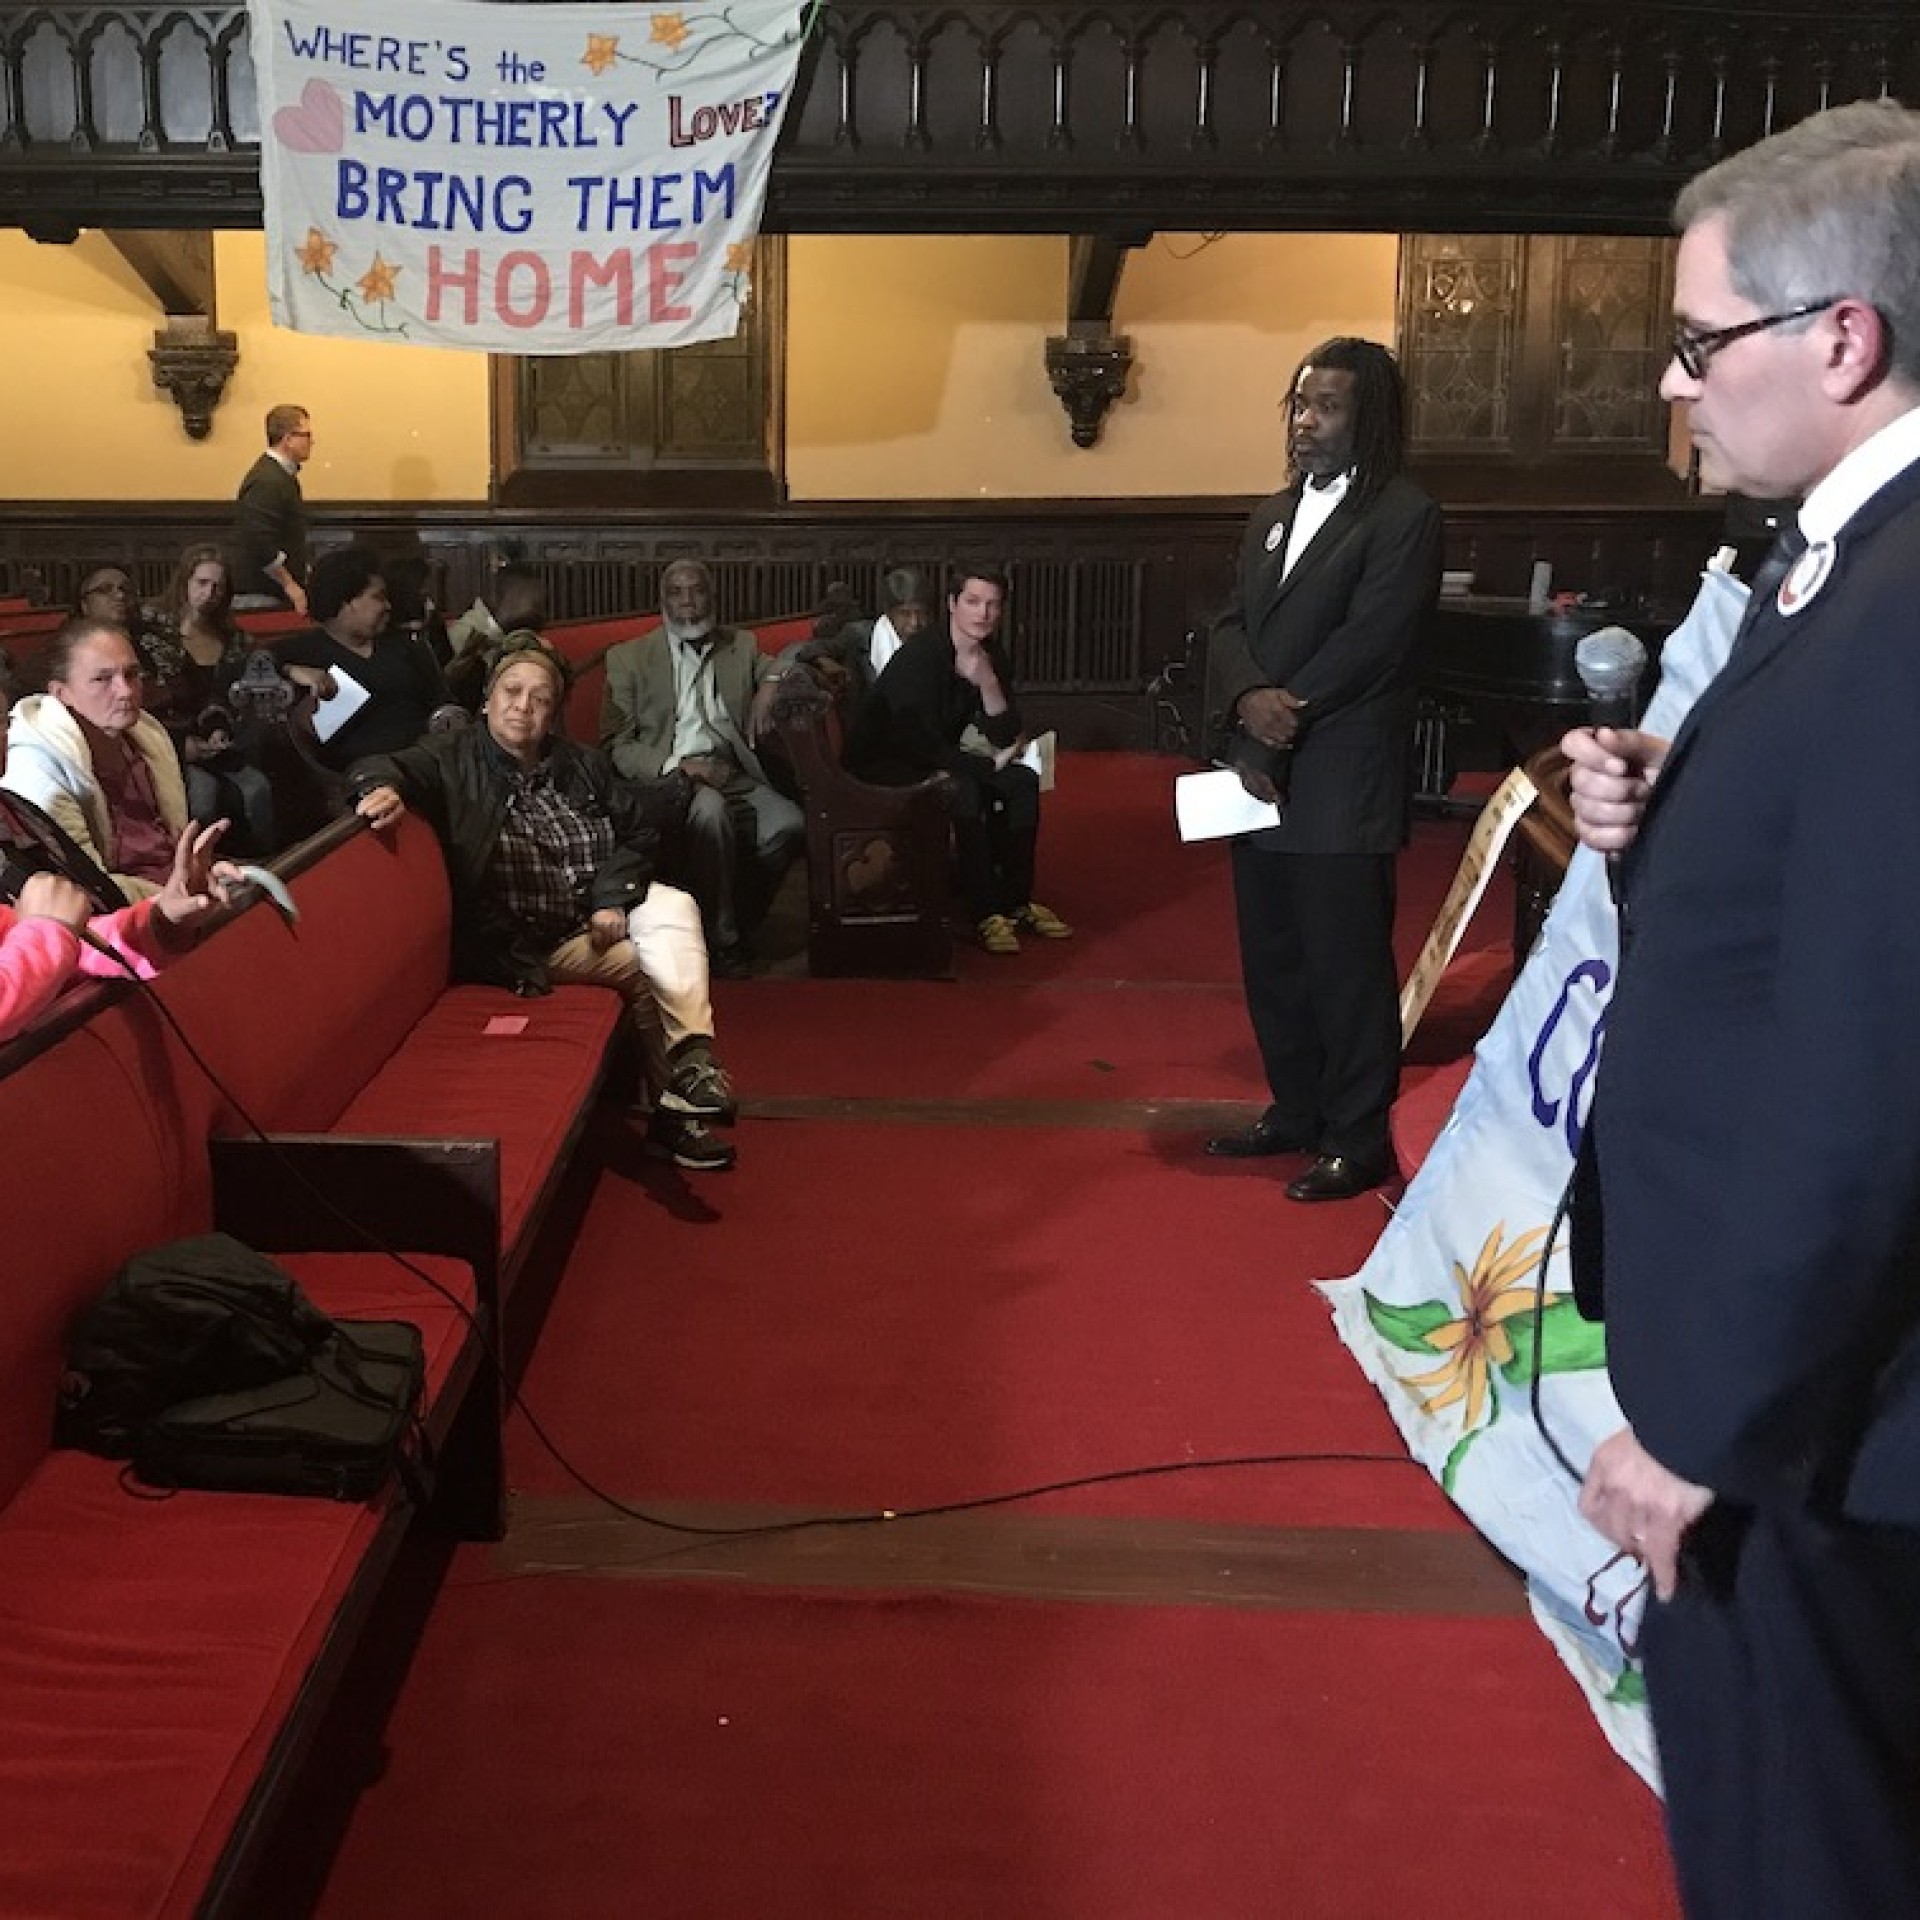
<point>347,594</point>
<point>550,857</point>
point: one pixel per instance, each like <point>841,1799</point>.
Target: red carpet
<point>894,1316</point>
<point>1023,1040</point>
<point>959,1293</point>
<point>606,1748</point>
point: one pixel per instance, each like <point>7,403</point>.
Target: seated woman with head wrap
<point>551,853</point>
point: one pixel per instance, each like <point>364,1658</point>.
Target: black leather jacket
<point>458,781</point>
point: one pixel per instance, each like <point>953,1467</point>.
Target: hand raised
<point>198,884</point>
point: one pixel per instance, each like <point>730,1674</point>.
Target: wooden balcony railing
<point>926,116</point>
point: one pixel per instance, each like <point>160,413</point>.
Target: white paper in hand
<point>1210,806</point>
<point>347,698</point>
<point>1039,756</point>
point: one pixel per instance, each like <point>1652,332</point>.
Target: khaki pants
<point>659,969</point>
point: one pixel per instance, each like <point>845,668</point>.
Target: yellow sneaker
<point>1043,921</point>
<point>997,934</point>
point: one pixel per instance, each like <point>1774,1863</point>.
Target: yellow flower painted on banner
<point>1500,1287</point>
<point>377,282</point>
<point>603,49</point>
<point>316,256</point>
<point>669,29</point>
<point>740,257</point>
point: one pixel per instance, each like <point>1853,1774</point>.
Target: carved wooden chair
<point>879,859</point>
<point>273,728</point>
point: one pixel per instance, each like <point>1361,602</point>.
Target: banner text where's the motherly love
<point>518,179</point>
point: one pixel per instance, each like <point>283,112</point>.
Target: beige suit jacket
<point>638,710</point>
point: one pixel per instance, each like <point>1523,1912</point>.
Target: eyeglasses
<point>113,584</point>
<point>1693,347</point>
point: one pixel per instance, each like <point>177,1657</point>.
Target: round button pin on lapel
<point>1805,577</point>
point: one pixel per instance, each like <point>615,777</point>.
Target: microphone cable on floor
<point>879,1517</point>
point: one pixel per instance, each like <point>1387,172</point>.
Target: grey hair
<point>1829,207</point>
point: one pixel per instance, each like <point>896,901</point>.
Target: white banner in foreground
<point>517,179</point>
<point>1442,1317</point>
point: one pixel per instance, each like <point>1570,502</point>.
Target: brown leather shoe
<point>1336,1177</point>
<point>1265,1137</point>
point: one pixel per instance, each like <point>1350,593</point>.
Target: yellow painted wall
<point>915,366</point>
<point>914,371</point>
<point>82,419</point>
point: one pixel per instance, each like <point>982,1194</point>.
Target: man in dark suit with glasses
<point>1747,1213</point>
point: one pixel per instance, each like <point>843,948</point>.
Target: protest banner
<point>1452,1318</point>
<point>518,179</point>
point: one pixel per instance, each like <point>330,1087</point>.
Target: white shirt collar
<point>1875,463</point>
<point>1315,509</point>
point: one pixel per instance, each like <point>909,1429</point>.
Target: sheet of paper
<point>1040,755</point>
<point>505,1023</point>
<point>1209,806</point>
<point>348,697</point>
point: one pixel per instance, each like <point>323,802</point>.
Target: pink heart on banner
<point>317,125</point>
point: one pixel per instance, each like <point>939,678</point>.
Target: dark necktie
<point>1788,545</point>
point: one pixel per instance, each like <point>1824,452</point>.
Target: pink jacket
<point>38,957</point>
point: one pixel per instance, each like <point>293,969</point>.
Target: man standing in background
<point>270,518</point>
<point>1311,683</point>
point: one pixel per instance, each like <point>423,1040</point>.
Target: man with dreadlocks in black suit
<point>1310,681</point>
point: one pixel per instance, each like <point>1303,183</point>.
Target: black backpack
<point>204,1365</point>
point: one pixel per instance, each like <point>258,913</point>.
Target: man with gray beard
<point>696,695</point>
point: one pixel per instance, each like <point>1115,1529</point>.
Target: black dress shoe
<point>1335,1177</point>
<point>1266,1136</point>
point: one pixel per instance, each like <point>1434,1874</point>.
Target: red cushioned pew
<point>164,1661</point>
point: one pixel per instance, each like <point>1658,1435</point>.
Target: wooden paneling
<point>919,116</point>
<point>1104,592</point>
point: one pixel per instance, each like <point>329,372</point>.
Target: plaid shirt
<point>547,854</point>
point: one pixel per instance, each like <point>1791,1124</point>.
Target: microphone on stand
<point>1610,664</point>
